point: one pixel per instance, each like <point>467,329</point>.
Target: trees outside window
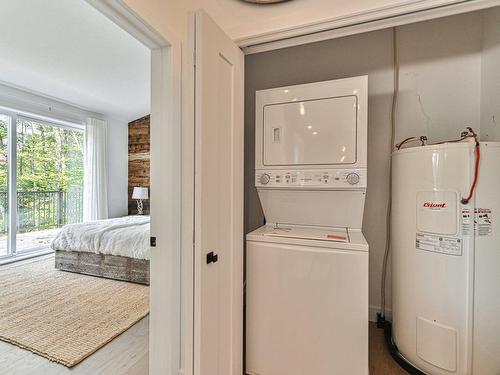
<point>48,178</point>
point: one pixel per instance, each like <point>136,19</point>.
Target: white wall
<point>67,49</point>
<point>490,79</point>
<point>440,74</point>
<point>117,168</point>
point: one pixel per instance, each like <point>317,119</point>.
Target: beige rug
<point>63,316</point>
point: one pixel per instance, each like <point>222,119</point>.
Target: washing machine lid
<point>349,239</point>
<point>309,233</point>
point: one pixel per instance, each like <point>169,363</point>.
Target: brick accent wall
<point>138,160</point>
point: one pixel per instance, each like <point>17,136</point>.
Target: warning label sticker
<point>439,244</point>
<point>483,220</point>
<point>467,223</point>
<point>480,223</point>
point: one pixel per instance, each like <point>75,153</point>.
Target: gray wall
<point>369,54</point>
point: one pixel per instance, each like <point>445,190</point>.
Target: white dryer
<point>307,268</point>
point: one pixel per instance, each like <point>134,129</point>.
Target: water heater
<point>446,258</point>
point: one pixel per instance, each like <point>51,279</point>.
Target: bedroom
<point>74,190</point>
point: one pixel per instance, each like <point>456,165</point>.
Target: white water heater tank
<point>446,258</point>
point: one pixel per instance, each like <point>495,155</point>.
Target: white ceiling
<point>68,50</point>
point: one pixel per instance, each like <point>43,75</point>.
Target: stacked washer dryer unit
<point>307,268</point>
<point>446,258</point>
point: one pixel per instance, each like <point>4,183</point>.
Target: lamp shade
<point>140,193</point>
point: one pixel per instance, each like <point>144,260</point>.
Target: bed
<point>114,248</point>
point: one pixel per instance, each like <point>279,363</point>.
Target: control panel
<point>322,179</point>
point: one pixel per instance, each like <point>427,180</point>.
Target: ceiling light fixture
<point>265,1</point>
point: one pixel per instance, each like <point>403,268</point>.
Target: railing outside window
<point>40,210</point>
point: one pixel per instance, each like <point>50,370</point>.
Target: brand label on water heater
<point>439,244</point>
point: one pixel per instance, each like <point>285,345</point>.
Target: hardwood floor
<point>381,362</point>
<point>128,355</point>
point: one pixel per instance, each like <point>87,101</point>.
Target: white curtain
<point>95,184</point>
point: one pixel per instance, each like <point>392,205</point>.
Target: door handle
<point>212,257</point>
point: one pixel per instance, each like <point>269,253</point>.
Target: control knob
<point>265,178</point>
<point>352,178</point>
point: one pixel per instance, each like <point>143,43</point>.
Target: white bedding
<point>125,236</point>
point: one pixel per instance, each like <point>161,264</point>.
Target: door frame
<point>166,183</point>
<point>384,17</point>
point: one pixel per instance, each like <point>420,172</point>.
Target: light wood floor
<point>128,355</point>
<point>381,362</point>
<point>125,355</point>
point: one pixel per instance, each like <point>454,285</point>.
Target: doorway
<point>165,265</point>
<point>165,181</point>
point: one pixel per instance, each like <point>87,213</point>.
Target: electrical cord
<point>409,139</point>
<point>469,134</point>
<point>477,151</point>
<point>389,200</point>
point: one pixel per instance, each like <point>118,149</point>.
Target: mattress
<point>127,236</point>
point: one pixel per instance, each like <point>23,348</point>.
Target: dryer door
<point>311,132</point>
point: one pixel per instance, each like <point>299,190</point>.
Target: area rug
<point>64,316</point>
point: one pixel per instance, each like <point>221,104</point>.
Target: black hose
<point>396,355</point>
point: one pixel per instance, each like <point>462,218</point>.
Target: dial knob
<point>264,179</point>
<point>352,178</point>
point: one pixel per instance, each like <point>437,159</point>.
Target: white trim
<point>25,256</point>
<point>40,106</point>
<point>12,185</point>
<point>188,167</point>
<point>50,121</point>
<point>123,16</point>
<point>414,11</point>
<point>166,184</point>
<point>166,215</point>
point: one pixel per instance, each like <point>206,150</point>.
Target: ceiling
<point>69,51</point>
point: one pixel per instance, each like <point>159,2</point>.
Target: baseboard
<point>25,256</point>
<point>374,310</point>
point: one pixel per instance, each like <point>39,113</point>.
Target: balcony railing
<point>39,210</point>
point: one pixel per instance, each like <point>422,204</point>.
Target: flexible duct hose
<point>389,201</point>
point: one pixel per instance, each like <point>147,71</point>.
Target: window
<point>41,176</point>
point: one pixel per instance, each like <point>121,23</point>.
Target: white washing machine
<point>307,268</point>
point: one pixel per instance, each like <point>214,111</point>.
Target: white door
<point>218,280</point>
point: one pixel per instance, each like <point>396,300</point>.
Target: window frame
<point>12,214</point>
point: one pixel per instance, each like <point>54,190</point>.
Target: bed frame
<point>102,265</point>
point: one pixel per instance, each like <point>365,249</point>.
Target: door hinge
<point>152,241</point>
<point>212,257</point>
